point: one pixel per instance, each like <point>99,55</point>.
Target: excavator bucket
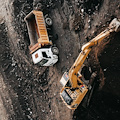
<point>115,24</point>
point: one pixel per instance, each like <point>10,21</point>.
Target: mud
<point>30,92</point>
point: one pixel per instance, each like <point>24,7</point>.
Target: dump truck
<point>74,86</point>
<point>41,47</point>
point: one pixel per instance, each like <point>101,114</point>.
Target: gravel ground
<point>30,92</point>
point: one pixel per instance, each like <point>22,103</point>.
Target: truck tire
<point>55,50</point>
<point>48,21</point>
<point>39,6</point>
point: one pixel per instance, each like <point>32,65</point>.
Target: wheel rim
<point>55,50</point>
<point>48,21</point>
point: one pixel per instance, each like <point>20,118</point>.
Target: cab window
<point>44,54</point>
<point>43,61</point>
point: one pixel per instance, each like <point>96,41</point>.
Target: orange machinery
<point>74,88</point>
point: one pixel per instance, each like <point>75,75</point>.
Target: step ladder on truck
<point>41,47</point>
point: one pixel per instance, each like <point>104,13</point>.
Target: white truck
<point>41,48</point>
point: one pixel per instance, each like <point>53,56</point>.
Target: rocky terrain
<point>30,92</point>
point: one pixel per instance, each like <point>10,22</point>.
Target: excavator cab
<point>65,82</point>
<point>70,96</point>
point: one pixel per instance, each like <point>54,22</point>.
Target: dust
<point>97,51</point>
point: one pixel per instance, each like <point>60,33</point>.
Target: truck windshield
<point>42,62</point>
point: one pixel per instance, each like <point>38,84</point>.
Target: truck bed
<point>37,30</point>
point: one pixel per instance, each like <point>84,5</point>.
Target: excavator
<point>41,47</point>
<point>74,87</point>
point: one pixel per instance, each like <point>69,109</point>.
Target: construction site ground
<point>31,92</point>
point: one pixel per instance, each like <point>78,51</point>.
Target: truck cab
<point>44,57</point>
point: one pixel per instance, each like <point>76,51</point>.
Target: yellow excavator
<point>74,87</point>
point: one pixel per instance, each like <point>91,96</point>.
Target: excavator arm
<point>113,27</point>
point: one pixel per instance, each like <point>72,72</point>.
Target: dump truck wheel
<point>39,6</point>
<point>48,21</point>
<point>55,50</point>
